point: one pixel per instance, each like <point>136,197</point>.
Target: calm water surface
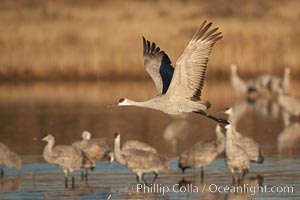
<point>29,111</point>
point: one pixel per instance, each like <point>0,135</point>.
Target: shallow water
<point>30,111</point>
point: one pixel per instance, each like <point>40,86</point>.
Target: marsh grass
<point>90,40</point>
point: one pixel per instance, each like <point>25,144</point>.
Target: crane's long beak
<point>112,105</point>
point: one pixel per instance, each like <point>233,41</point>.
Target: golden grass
<point>91,39</point>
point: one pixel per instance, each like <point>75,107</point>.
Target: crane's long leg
<point>66,178</point>
<point>245,171</point>
<point>139,177</point>
<point>146,183</point>
<point>82,174</point>
<point>241,176</point>
<point>219,120</point>
<point>86,174</point>
<point>155,177</point>
<point>202,174</point>
<point>232,174</point>
<point>73,179</point>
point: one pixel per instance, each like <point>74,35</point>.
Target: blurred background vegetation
<point>95,40</point>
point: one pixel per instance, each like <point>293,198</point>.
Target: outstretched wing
<point>158,66</point>
<point>191,66</point>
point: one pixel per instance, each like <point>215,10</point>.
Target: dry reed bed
<point>101,93</point>
<point>102,39</point>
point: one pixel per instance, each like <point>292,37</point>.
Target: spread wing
<point>191,66</point>
<point>158,66</point>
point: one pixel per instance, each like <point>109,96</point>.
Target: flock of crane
<point>179,91</point>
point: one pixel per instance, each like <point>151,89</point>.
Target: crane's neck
<point>151,103</point>
<point>219,134</point>
<point>48,150</point>
<point>220,139</point>
<point>233,72</point>
<point>117,152</point>
<point>229,137</point>
<point>286,81</point>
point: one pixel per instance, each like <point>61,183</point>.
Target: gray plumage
<point>183,93</point>
<point>139,161</point>
<point>251,147</point>
<point>272,84</point>
<point>235,156</point>
<point>8,158</point>
<point>262,84</point>
<point>86,136</point>
<point>202,153</point>
<point>289,103</point>
<point>68,157</point>
<point>135,144</point>
<point>96,148</point>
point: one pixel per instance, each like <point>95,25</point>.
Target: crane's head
<point>86,135</point>
<point>233,67</point>
<point>117,135</point>
<point>287,71</point>
<point>121,102</point>
<point>48,138</point>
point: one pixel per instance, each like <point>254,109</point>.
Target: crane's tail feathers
<point>260,158</point>
<point>219,120</point>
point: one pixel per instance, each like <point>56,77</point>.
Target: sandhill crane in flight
<point>179,90</point>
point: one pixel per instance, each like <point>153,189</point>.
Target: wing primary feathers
<point>214,36</point>
<point>203,31</point>
<point>198,30</point>
<point>191,66</point>
<point>158,66</point>
<point>153,46</point>
<point>144,45</point>
<point>209,34</point>
<point>148,46</point>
